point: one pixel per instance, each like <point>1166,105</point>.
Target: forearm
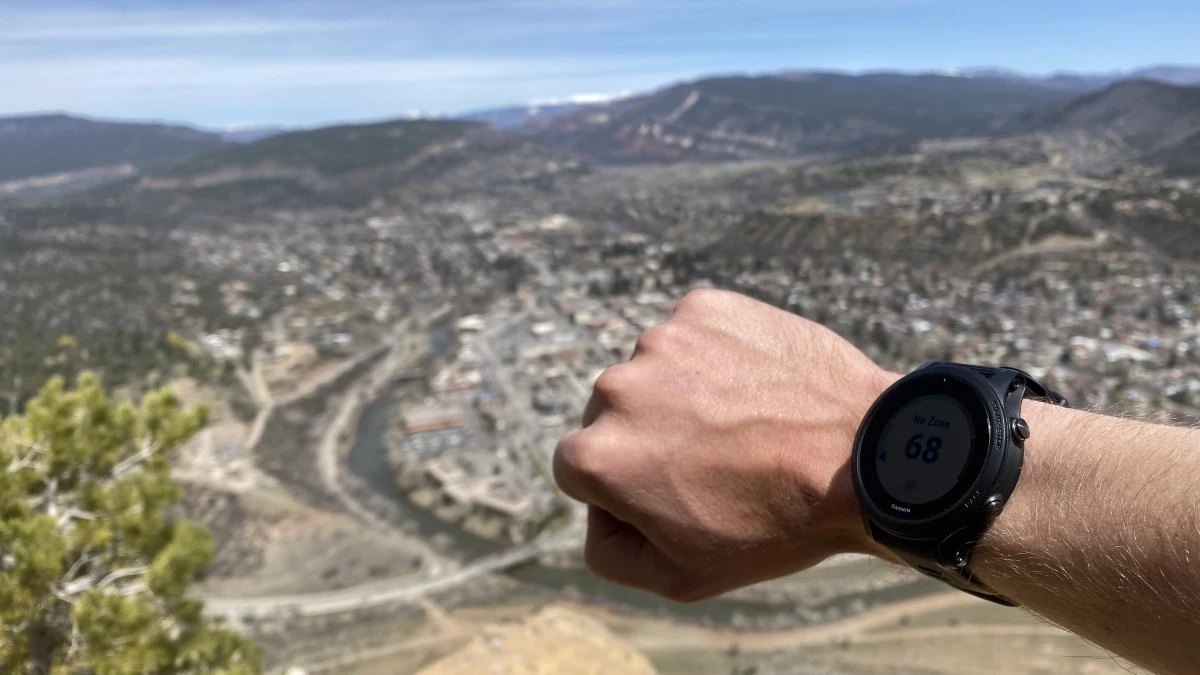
<point>1102,535</point>
<point>719,456</point>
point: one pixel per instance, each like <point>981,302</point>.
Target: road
<point>250,384</point>
<point>268,405</point>
<point>261,393</point>
<point>400,589</point>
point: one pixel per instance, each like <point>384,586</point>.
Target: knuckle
<point>560,465</point>
<point>663,337</point>
<point>700,300</point>
<point>612,383</point>
<point>577,456</point>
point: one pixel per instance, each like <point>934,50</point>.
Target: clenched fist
<point>719,455</point>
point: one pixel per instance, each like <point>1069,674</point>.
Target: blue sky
<point>240,62</point>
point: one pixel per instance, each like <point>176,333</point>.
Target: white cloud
<point>290,92</point>
<point>579,4</point>
<point>218,94</point>
<point>691,6</point>
<point>27,27</point>
<point>581,99</point>
<point>81,75</point>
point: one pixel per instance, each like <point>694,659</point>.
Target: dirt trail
<point>659,634</point>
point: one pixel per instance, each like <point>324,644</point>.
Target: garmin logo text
<point>901,508</point>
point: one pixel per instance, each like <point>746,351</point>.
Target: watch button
<point>993,505</point>
<point>1020,429</point>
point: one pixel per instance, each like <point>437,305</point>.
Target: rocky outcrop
<point>556,640</point>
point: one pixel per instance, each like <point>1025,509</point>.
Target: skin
<point>719,457</point>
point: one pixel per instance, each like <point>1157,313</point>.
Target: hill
<point>341,167</point>
<point>1181,159</point>
<point>252,133</point>
<point>43,145</point>
<point>792,114</point>
<point>1150,116</point>
<point>1081,83</point>
<point>1160,122</point>
<point>1171,74</point>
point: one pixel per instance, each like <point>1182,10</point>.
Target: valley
<point>394,324</point>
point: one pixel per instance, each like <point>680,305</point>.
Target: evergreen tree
<point>94,568</point>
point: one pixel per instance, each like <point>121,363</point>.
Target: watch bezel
<point>989,442</point>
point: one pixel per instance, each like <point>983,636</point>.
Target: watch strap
<point>1033,388</point>
<point>948,558</point>
<point>941,560</point>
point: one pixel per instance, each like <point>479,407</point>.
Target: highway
<point>400,589</point>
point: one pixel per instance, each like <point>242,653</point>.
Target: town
<point>388,384</point>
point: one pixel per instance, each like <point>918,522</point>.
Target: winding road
<point>401,589</point>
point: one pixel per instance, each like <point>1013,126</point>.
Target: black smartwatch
<point>936,459</point>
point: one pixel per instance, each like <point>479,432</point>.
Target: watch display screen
<point>924,449</point>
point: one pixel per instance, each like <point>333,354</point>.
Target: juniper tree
<point>94,566</point>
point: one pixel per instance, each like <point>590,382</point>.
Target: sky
<point>231,63</point>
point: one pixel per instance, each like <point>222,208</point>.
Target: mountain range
<point>1160,122</point>
<point>1181,75</point>
<point>532,115</point>
<point>48,154</point>
<point>713,119</point>
<point>793,114</point>
<point>47,144</point>
<point>342,166</point>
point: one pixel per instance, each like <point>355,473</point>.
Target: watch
<point>936,459</point>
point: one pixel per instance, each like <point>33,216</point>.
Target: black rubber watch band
<point>947,557</point>
<point>943,570</point>
<point>1033,388</point>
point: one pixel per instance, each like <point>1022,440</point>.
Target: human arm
<point>719,457</point>
<point>1102,535</point>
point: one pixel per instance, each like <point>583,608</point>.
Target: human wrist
<point>1046,470</point>
<point>845,507</point>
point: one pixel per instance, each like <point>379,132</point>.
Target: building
<point>428,417</point>
<point>453,379</point>
<point>551,353</point>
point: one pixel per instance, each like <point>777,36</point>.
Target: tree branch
<point>129,463</point>
<point>76,565</point>
<point>121,574</point>
<point>62,595</point>
<point>73,588</point>
<point>27,460</point>
<point>75,514</point>
<point>75,640</point>
<point>48,498</point>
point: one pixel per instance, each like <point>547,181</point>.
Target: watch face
<point>925,444</point>
<point>924,449</point>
